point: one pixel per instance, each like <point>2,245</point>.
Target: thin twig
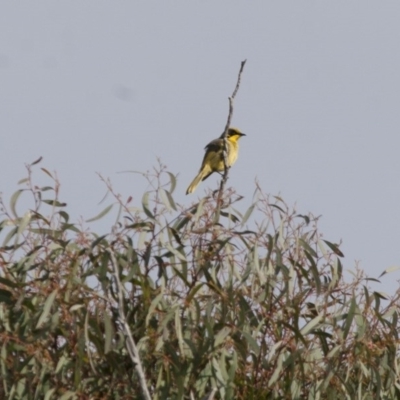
<point>228,124</point>
<point>131,345</point>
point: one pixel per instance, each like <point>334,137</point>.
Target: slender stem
<point>225,152</point>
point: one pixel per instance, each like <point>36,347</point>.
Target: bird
<point>213,160</point>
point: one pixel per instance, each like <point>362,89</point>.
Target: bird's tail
<point>199,177</point>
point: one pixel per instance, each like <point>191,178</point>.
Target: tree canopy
<point>211,300</point>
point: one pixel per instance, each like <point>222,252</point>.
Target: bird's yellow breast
<point>232,155</point>
<point>233,149</point>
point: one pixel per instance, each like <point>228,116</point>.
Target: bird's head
<point>234,134</point>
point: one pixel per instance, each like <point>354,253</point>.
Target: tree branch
<point>228,124</point>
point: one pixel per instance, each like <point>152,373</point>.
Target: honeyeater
<point>213,160</point>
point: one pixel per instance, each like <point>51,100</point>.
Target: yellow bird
<point>213,160</point>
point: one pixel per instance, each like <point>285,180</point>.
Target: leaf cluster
<point>229,305</point>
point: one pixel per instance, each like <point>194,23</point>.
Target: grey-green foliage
<point>252,305</point>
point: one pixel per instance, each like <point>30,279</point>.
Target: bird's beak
<point>243,134</point>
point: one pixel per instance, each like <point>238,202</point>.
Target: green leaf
<point>64,215</point>
<point>49,393</point>
<point>37,161</point>
<point>295,389</point>
<point>4,367</point>
<point>9,236</point>
<point>61,362</point>
<point>177,252</point>
<point>167,199</point>
<point>102,214</point>
<point>217,371</point>
<point>171,200</point>
<point>145,205</point>
<point>109,333</point>
<point>172,179</point>
<point>140,225</point>
<point>230,216</point>
<point>153,306</point>
<point>175,235</point>
<point>389,270</point>
<point>277,370</point>
<point>67,395</point>
<point>252,343</point>
<point>178,331</point>
<point>349,318</point>
<point>278,208</point>
<point>221,335</point>
<point>76,307</point>
<point>23,181</point>
<point>13,202</point>
<point>307,247</point>
<point>54,203</point>
<point>46,308</point>
<point>314,272</point>
<point>311,325</point>
<point>381,295</point>
<point>47,172</point>
<point>24,222</point>
<point>247,214</point>
<point>334,248</point>
<point>305,217</point>
<point>336,349</point>
<point>192,292</point>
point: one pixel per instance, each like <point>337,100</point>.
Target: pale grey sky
<point>110,86</point>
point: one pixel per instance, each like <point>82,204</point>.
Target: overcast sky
<point>110,86</point>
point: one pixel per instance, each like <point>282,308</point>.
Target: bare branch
<point>228,124</point>
<point>239,79</point>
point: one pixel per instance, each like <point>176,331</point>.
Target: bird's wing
<point>215,145</point>
<point>212,157</point>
